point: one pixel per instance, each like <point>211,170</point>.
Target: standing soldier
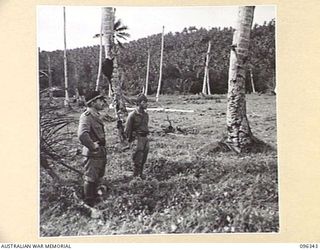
<point>137,128</point>
<point>92,136</point>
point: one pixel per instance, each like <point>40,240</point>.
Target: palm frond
<point>121,28</point>
<point>124,34</point>
<point>97,35</point>
<point>119,44</point>
<point>117,24</point>
<point>121,37</point>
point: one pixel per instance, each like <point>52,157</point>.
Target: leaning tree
<point>239,135</point>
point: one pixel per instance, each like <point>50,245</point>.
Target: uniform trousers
<point>140,154</point>
<point>95,166</point>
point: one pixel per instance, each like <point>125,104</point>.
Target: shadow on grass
<point>255,147</point>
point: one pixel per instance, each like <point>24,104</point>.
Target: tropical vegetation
<point>183,62</point>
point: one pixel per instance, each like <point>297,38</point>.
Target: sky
<point>83,22</point>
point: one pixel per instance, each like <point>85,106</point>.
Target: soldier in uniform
<point>92,136</point>
<point>137,128</point>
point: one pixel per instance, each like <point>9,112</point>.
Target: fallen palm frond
<point>54,134</point>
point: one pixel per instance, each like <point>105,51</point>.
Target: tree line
<point>183,62</point>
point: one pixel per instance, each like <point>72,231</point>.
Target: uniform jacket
<point>90,130</point>
<point>137,124</point>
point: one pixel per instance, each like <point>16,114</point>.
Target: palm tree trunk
<point>252,83</point>
<point>208,82</point>
<point>239,132</point>
<point>108,18</point>
<point>50,79</point>
<point>107,28</point>
<point>76,76</point>
<point>147,76</point>
<point>161,60</point>
<point>66,100</point>
<point>204,84</point>
<point>274,83</point>
<point>204,90</point>
<point>100,60</point>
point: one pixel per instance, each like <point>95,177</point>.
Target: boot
<point>101,192</point>
<point>136,171</point>
<point>89,190</point>
<point>140,173</point>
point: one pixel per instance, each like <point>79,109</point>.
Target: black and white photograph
<point>157,120</point>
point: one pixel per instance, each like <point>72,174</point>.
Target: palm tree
<point>119,33</point>
<point>147,76</point>
<point>240,137</point>
<point>205,84</point>
<point>100,58</point>
<point>251,79</point>
<point>50,79</point>
<point>161,62</point>
<point>114,31</point>
<point>66,100</point>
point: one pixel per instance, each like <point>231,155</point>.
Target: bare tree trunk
<point>50,80</point>
<point>274,83</point>
<point>252,83</point>
<point>66,100</point>
<point>208,82</point>
<point>239,132</point>
<point>147,76</point>
<point>204,90</point>
<point>204,84</point>
<point>161,60</point>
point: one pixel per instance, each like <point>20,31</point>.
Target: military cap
<point>92,96</point>
<point>141,97</point>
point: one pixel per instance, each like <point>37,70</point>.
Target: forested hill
<point>183,62</point>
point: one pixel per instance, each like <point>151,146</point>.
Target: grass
<point>188,188</point>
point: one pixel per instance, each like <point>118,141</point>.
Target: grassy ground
<point>188,188</point>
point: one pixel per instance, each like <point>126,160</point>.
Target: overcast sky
<point>83,22</point>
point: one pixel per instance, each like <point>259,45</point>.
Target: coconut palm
<point>147,75</point>
<point>240,137</point>
<point>66,100</point>
<point>119,33</point>
<point>112,34</point>
<point>100,58</point>
<point>206,85</point>
<point>161,62</point>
